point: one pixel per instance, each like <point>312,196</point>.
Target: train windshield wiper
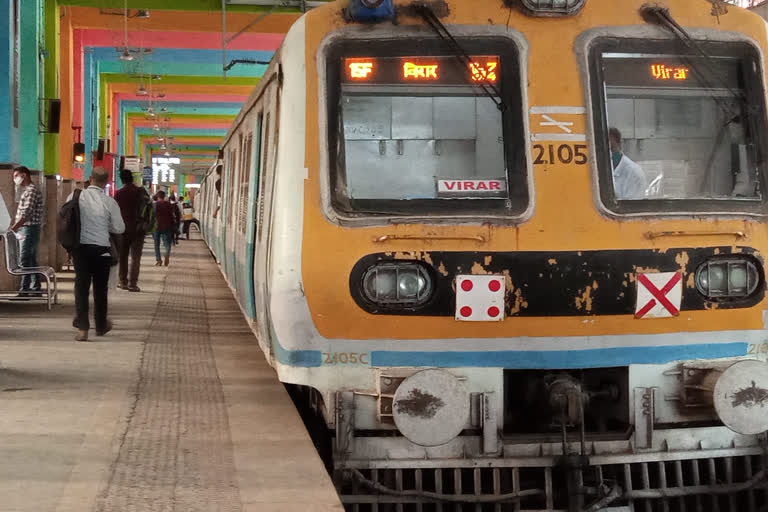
<point>731,113</point>
<point>662,16</point>
<point>437,26</point>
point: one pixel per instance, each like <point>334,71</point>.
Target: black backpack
<point>145,213</point>
<point>69,223</point>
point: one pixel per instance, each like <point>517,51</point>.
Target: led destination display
<point>443,70</point>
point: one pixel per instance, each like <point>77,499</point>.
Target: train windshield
<point>681,131</point>
<point>426,134</point>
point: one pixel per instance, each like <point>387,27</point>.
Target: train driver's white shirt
<point>99,216</point>
<point>5,217</point>
<point>629,180</point>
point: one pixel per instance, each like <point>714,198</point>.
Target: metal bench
<point>13,266</point>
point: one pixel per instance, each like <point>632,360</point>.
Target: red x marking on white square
<point>658,294</point>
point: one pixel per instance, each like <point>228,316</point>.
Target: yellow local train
<point>513,250</point>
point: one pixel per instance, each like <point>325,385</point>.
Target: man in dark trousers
<point>99,216</point>
<point>133,202</point>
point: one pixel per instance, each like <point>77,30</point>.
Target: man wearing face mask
<point>29,214</point>
<point>629,179</point>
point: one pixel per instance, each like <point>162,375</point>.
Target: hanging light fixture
<point>126,55</point>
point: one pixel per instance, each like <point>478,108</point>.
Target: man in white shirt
<point>629,179</point>
<point>99,216</point>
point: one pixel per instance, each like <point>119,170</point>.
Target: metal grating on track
<point>736,483</point>
<point>176,453</point>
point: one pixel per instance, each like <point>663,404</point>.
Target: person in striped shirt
<point>29,215</point>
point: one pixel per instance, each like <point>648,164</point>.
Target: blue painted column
<point>9,134</point>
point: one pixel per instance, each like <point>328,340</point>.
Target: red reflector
<point>466,310</point>
<point>493,311</point>
<point>466,285</point>
<point>494,286</point>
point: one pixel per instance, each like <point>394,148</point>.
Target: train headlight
<point>735,277</point>
<point>397,283</point>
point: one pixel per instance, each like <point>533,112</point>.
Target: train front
<point>533,239</point>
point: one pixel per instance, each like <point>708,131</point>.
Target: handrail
<point>651,235</point>
<point>383,238</point>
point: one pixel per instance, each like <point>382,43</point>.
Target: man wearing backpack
<point>136,208</point>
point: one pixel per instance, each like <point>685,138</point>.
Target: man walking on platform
<point>29,215</point>
<point>167,219</point>
<point>99,216</point>
<point>135,206</point>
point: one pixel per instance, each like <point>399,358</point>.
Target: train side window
<point>244,182</point>
<point>678,132</point>
<point>416,131</point>
<point>230,191</point>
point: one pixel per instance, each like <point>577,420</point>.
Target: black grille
<point>730,483</point>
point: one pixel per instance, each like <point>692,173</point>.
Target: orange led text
<point>483,72</point>
<point>664,72</point>
<point>360,70</point>
<point>419,71</point>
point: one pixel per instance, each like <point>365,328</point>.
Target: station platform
<point>175,409</point>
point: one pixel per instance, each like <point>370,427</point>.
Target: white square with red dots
<point>480,298</point>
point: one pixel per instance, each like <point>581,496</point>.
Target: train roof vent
<point>551,7</point>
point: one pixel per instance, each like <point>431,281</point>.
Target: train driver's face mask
<point>615,158</point>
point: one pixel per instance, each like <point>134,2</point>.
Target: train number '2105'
<point>560,153</point>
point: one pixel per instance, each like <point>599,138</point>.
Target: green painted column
<point>51,82</point>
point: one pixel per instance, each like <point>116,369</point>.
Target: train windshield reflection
<point>681,127</point>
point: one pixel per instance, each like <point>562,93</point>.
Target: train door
<point>242,272</point>
<point>252,209</point>
<point>263,218</point>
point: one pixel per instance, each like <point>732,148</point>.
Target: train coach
<point>513,250</point>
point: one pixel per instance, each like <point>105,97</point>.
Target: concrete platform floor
<point>176,409</point>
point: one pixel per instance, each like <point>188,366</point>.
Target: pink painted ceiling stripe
<point>182,40</point>
<point>77,82</point>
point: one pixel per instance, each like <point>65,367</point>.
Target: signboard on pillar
<point>133,164</point>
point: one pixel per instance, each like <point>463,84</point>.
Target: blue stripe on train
<point>302,358</point>
<point>529,359</point>
<point>538,359</point>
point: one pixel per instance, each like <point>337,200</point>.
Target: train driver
<point>629,179</point>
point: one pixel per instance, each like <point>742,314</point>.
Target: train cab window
<point>417,131</point>
<point>678,131</point>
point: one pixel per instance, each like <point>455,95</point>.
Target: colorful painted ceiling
<point>153,83</point>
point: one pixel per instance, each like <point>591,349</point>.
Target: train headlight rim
<point>715,278</point>
<point>391,284</point>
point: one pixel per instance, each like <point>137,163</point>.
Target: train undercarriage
<point>577,440</point>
